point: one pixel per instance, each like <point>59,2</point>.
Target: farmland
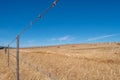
<point>100,61</point>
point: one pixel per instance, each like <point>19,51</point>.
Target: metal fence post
<point>8,56</point>
<point>17,57</point>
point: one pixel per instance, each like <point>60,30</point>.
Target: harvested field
<point>66,62</point>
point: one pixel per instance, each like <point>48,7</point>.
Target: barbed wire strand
<point>40,70</point>
<point>36,19</point>
<point>27,27</point>
<point>12,41</point>
<point>12,68</point>
<point>12,55</point>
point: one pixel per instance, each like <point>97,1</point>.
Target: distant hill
<point>1,47</point>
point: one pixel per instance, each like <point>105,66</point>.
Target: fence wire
<point>13,61</point>
<point>35,20</point>
<point>28,65</point>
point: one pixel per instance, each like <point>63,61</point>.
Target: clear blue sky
<point>71,21</point>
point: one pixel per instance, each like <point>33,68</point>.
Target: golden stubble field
<point>67,62</point>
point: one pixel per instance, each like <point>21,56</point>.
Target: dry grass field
<point>67,62</point>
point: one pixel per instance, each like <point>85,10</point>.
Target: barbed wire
<point>12,67</point>
<point>29,65</point>
<point>39,70</point>
<point>12,41</point>
<point>16,61</point>
<point>35,20</point>
<point>12,55</point>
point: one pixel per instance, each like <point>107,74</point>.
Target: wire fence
<point>15,61</point>
<point>28,66</point>
<point>20,66</point>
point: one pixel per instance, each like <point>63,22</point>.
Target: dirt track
<point>67,62</point>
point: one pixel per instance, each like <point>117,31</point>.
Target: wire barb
<point>39,17</point>
<point>54,3</point>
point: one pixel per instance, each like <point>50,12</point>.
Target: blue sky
<point>71,21</point>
